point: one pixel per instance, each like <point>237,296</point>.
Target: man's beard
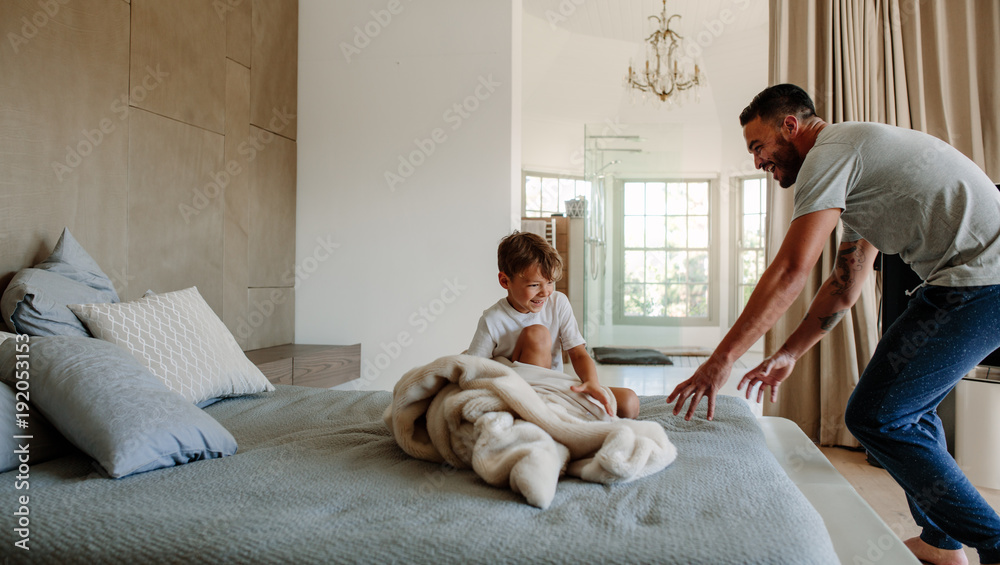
<point>787,159</point>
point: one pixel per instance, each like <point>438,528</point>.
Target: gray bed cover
<point>318,479</point>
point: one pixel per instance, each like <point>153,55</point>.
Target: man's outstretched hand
<point>771,372</point>
<point>706,382</point>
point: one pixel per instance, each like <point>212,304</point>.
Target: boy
<point>534,323</point>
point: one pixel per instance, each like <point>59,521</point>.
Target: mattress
<point>859,535</point>
<point>318,479</point>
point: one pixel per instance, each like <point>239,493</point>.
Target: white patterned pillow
<point>178,337</point>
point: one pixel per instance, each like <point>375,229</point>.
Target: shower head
<point>615,162</point>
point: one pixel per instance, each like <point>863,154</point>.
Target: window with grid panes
<point>545,195</point>
<point>664,268</point>
<point>750,237</point>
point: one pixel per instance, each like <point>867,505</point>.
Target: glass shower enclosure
<point>608,150</point>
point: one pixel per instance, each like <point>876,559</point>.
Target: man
<point>897,191</point>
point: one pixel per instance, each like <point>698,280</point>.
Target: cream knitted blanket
<point>475,412</point>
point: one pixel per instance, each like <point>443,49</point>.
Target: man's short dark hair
<point>775,102</point>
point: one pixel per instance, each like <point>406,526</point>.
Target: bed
<point>317,478</point>
<point>156,440</point>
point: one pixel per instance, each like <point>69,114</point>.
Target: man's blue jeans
<point>942,335</point>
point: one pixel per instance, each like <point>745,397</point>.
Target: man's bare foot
<point>927,553</point>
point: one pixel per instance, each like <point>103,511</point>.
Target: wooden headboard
<point>140,126</point>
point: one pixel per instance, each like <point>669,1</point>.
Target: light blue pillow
<point>111,407</point>
<point>35,300</point>
<point>35,443</point>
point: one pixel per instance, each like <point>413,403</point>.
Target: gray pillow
<point>36,298</point>
<point>35,443</point>
<point>111,407</point>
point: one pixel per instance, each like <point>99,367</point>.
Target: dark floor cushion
<point>630,356</point>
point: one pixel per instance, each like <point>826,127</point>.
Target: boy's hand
<point>595,391</point>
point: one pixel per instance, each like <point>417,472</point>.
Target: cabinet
<point>562,246</point>
<point>977,434</point>
<point>566,235</point>
<point>321,366</point>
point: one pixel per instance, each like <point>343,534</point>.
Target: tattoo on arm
<point>848,261</point>
<point>826,323</point>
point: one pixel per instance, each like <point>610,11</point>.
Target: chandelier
<point>665,77</point>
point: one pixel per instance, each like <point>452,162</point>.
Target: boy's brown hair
<point>520,250</point>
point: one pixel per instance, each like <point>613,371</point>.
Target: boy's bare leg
<point>628,402</point>
<point>534,347</point>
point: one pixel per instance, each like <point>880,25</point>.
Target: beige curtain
<point>930,65</point>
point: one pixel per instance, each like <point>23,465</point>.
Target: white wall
<point>404,265</point>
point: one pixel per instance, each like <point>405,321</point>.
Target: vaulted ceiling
<point>628,20</point>
<point>576,54</point>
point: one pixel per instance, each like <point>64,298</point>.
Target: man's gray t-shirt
<point>909,193</point>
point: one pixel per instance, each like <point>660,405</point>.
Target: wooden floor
<point>884,495</point>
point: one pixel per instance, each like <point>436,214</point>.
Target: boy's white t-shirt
<point>501,325</point>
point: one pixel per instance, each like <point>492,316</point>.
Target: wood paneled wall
<point>162,134</point>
